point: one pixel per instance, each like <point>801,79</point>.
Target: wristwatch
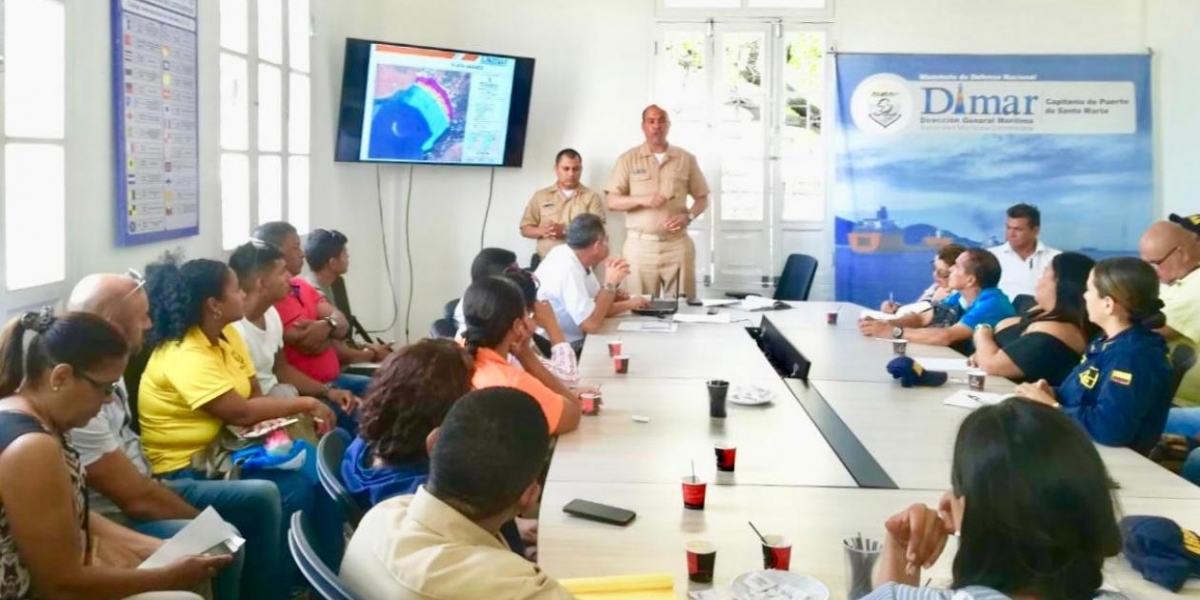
<point>982,326</point>
<point>897,333</point>
<point>332,321</point>
<point>325,388</point>
<point>610,287</point>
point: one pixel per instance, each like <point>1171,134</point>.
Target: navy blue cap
<point>911,373</point>
<point>1161,550</point>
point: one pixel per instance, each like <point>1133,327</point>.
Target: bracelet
<point>982,326</point>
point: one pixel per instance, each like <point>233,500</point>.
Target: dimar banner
<point>932,149</point>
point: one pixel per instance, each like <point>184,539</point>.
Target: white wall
<point>593,77</point>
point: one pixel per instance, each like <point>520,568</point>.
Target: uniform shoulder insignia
<point>1088,377</point>
<point>1121,377</point>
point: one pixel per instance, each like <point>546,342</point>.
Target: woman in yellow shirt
<point>200,377</point>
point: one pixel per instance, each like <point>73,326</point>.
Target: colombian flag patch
<point>1121,377</point>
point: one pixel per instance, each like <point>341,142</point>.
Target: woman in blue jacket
<point>408,398</point>
<point>1121,392</point>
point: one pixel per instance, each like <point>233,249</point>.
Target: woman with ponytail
<point>200,378</point>
<point>1032,506</point>
<point>499,323</point>
<point>51,544</point>
<point>1121,392</point>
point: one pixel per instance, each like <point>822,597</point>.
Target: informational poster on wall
<point>155,116</point>
<point>932,150</point>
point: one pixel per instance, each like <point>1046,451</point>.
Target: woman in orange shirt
<point>499,323</point>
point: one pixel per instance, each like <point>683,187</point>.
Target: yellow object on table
<point>652,586</point>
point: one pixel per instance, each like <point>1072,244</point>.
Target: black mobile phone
<point>599,512</point>
<point>695,302</point>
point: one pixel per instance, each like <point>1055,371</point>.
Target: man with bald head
<point>651,184</point>
<point>1172,247</point>
<point>118,473</point>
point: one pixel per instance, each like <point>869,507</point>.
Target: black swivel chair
<point>342,301</point>
<point>1183,358</point>
<point>795,282</point>
<point>322,578</point>
<point>330,451</point>
<point>446,326</point>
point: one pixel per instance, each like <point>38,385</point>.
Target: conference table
<point>833,456</point>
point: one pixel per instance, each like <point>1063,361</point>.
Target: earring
<point>219,315</point>
<point>55,388</point>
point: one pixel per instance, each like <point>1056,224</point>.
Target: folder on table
<point>653,586</point>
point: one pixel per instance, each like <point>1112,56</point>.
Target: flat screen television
<point>417,104</point>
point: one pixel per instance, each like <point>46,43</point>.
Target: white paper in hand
<point>208,533</point>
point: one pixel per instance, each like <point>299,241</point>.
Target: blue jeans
<point>1186,422</point>
<point>293,492</point>
<point>227,585</point>
<point>255,509</point>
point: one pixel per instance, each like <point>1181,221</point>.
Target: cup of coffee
<point>614,348</point>
<point>726,456</point>
<point>694,490</point>
<point>701,560</point>
<point>976,379</point>
<point>590,403</point>
<point>621,364</point>
<point>777,552</point>
<point>831,317</point>
<point>717,390</point>
<point>899,347</point>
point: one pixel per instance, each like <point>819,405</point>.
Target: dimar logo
<point>882,103</point>
<point>949,100</point>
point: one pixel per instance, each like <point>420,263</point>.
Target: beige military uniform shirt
<point>419,548</point>
<point>549,205</point>
<point>638,173</point>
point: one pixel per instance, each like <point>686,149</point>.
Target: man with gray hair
<point>118,473</point>
<point>566,280</point>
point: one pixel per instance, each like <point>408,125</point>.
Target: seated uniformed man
<point>976,302</point>
<point>551,209</point>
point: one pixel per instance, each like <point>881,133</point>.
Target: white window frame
<point>13,301</point>
<point>746,9</point>
<point>253,152</point>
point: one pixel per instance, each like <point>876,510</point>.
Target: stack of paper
<point>722,318</point>
<point>648,326</point>
<point>753,303</point>
<point>942,364</point>
<point>654,586</point>
<point>973,400</point>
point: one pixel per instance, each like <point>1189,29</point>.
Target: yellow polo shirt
<point>1182,307</point>
<point>549,205</point>
<point>180,378</point>
<point>639,173</point>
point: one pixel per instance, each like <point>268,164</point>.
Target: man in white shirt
<point>1023,257</point>
<point>263,276</point>
<point>567,282</point>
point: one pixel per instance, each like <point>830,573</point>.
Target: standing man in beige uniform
<point>552,209</point>
<point>651,184</point>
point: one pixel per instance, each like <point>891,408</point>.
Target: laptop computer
<point>659,308</point>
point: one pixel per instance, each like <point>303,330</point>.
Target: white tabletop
<point>693,351</point>
<point>815,519</point>
<point>612,447</point>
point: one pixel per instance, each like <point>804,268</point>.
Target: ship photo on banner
<point>932,149</point>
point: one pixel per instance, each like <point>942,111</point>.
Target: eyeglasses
<point>939,272</point>
<point>107,388</point>
<point>138,279</point>
<point>1158,263</point>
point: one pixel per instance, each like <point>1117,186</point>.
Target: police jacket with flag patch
<point>1121,392</point>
